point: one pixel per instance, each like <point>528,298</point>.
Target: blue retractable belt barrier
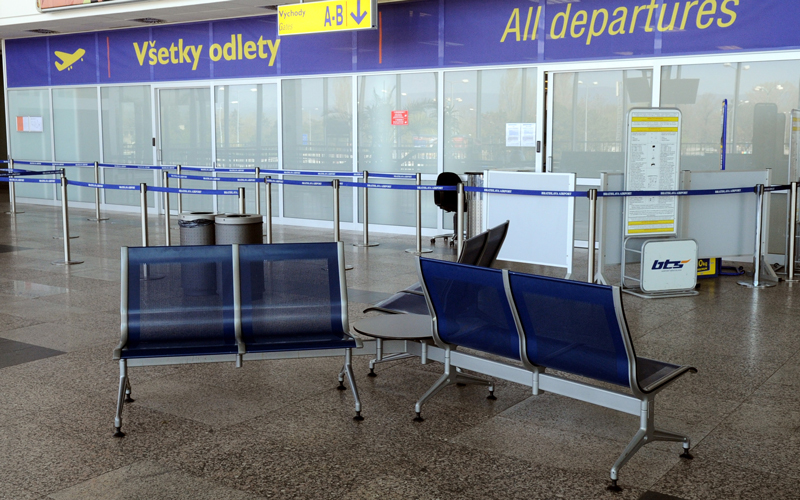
<point>138,167</point>
<point>299,183</point>
<point>222,192</point>
<point>33,181</point>
<point>393,176</point>
<point>221,179</point>
<point>121,187</point>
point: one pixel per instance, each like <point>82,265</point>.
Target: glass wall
<point>398,122</point>
<point>246,118</point>
<point>317,135</point>
<point>127,139</point>
<point>589,111</point>
<point>761,96</point>
<point>30,127</point>
<point>477,107</point>
<point>185,135</point>
<point>78,136</point>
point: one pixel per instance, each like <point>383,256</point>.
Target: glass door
<point>184,138</point>
<point>586,112</point>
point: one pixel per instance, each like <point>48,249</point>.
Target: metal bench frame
<point>124,395</point>
<point>639,402</point>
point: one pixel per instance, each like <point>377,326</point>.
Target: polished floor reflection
<point>279,429</point>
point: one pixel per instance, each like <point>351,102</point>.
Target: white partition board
<point>723,225</point>
<point>609,217</point>
<point>541,228</point>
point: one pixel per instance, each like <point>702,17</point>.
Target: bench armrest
<point>652,375</point>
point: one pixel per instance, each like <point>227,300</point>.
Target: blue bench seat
<point>232,303</point>
<point>547,324</point>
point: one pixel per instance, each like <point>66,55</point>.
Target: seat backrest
<point>469,307</point>
<point>473,248</point>
<point>447,200</point>
<point>497,235</point>
<point>573,327</point>
<point>178,294</point>
<point>292,289</point>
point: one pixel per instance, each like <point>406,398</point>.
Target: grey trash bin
<point>474,205</point>
<point>244,230</point>
<point>235,228</point>
<point>197,228</point>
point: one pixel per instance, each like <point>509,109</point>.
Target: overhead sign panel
<point>48,5</point>
<point>322,17</point>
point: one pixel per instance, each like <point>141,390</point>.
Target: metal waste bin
<point>235,228</point>
<point>474,204</point>
<point>244,230</point>
<point>197,228</point>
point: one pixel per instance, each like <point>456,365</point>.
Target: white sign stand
<point>652,163</point>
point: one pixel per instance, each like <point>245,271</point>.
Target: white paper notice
<point>36,124</point>
<point>528,135</point>
<point>513,135</point>
<point>652,164</point>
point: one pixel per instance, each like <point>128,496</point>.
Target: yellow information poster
<point>322,17</point>
<point>652,163</point>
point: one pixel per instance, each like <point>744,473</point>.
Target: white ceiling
<point>112,16</point>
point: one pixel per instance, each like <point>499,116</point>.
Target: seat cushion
<point>173,349</point>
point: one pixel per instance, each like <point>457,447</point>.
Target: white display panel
<point>541,228</point>
<point>723,225</point>
<point>669,265</point>
<point>652,163</point>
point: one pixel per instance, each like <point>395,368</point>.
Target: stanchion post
<point>460,199</point>
<point>759,190</point>
<point>143,208</point>
<point>97,217</point>
<point>180,196</point>
<point>12,191</point>
<point>241,201</point>
<point>269,210</point>
<point>336,234</point>
<point>792,233</point>
<point>418,250</point>
<point>258,192</point>
<point>592,234</point>
<point>365,214</point>
<point>65,223</point>
<point>167,240</point>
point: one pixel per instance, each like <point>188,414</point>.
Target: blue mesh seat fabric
<point>291,298</point>
<point>471,307</point>
<point>181,304</point>
<point>571,326</point>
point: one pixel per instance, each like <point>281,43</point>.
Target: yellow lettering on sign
<point>332,15</point>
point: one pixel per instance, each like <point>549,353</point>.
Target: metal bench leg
<point>659,435</point>
<point>380,358</point>
<point>465,378</point>
<point>445,380</point>
<point>639,440</point>
<point>124,386</point>
<point>128,398</point>
<point>347,370</point>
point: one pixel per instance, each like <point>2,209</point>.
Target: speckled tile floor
<point>278,429</point>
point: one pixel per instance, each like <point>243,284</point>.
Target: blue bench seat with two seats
<point>232,303</point>
<point>546,323</point>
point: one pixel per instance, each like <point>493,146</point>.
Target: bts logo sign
<point>669,265</point>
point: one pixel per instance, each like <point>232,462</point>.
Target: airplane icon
<point>67,60</point>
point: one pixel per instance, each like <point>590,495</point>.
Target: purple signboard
<point>410,35</point>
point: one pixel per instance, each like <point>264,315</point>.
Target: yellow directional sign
<point>322,17</point>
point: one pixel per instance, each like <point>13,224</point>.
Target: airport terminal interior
<point>128,111</point>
